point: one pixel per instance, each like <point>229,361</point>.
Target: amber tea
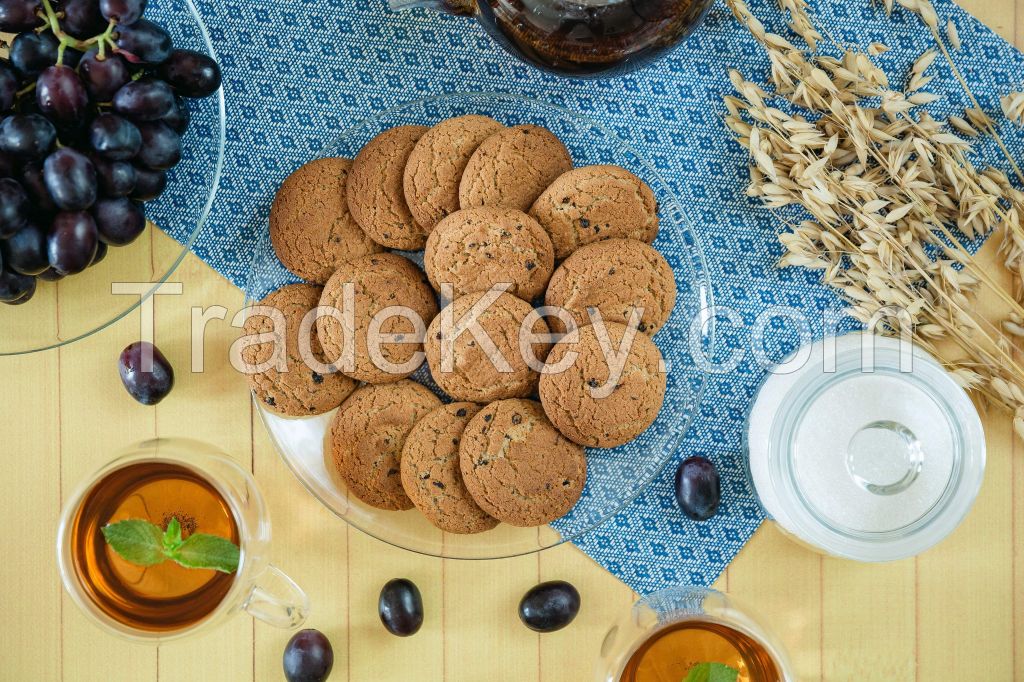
<point>164,597</point>
<point>670,653</point>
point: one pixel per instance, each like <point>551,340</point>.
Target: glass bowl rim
<point>186,246</point>
<point>702,284</point>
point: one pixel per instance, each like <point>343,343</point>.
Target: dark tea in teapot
<point>581,38</point>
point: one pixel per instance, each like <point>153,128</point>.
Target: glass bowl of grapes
<point>615,476</point>
<point>112,128</point>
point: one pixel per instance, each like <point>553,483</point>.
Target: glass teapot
<point>579,38</point>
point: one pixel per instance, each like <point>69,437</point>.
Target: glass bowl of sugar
<point>865,448</point>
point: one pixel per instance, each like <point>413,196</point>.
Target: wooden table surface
<point>949,614</point>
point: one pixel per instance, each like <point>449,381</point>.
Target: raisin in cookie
<point>368,434</point>
<point>613,277</point>
<point>431,475</point>
<point>374,190</point>
<point>310,227</point>
<point>370,285</point>
<point>436,165</point>
<point>592,203</point>
<point>300,391</point>
<point>518,467</point>
<point>492,366</point>
<point>477,248</point>
<point>589,402</point>
<point>512,167</point>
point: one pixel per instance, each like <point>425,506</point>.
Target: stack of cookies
<point>505,223</point>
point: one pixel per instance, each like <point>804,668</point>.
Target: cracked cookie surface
<point>300,391</point>
<point>368,434</point>
<point>476,369</point>
<point>614,276</point>
<point>518,467</point>
<point>512,167</point>
<point>431,475</point>
<point>374,191</point>
<point>379,281</point>
<point>475,248</point>
<point>587,403</point>
<point>592,203</point>
<point>311,229</point>
<point>437,162</point>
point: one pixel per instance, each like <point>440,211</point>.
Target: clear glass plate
<point>615,476</point>
<point>65,311</point>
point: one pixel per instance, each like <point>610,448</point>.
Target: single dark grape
<point>308,657</point>
<point>15,287</point>
<point>35,186</point>
<point>698,488</point>
<point>27,135</point>
<point>161,146</point>
<point>19,15</point>
<point>143,42</point>
<point>191,73</point>
<point>145,373</point>
<point>61,94</point>
<point>122,11</point>
<point>146,99</point>
<point>114,137</point>
<point>50,275</point>
<point>27,296</point>
<point>549,606</point>
<point>71,179</point>
<point>119,221</point>
<point>149,184</point>
<point>71,242</point>
<point>101,253</point>
<point>25,251</point>
<point>178,117</point>
<point>13,207</point>
<point>8,166</point>
<point>103,77</point>
<point>32,52</point>
<point>115,178</point>
<point>400,607</point>
<point>82,18</point>
<point>8,86</point>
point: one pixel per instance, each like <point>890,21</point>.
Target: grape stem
<point>101,41</point>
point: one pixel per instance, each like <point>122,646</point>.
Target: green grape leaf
<point>712,672</point>
<point>136,540</point>
<point>201,550</point>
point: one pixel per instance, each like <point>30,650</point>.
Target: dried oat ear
<point>893,202</point>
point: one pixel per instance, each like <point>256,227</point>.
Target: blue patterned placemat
<point>299,71</point>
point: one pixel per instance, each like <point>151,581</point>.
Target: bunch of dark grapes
<point>92,111</point>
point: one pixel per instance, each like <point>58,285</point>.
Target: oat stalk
<point>892,196</point>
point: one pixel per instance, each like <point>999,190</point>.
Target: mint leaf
<point>172,536</point>
<point>712,672</point>
<point>136,540</point>
<point>146,544</point>
<point>201,550</point>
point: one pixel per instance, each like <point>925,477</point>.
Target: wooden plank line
<point>252,468</point>
<point>917,621</point>
<point>821,617</point>
<point>60,497</point>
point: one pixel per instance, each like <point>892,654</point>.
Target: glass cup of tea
<point>667,633</point>
<point>207,492</point>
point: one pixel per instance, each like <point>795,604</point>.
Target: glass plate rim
<point>186,246</point>
<point>704,293</point>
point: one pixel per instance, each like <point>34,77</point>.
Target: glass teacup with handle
<point>184,515</point>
